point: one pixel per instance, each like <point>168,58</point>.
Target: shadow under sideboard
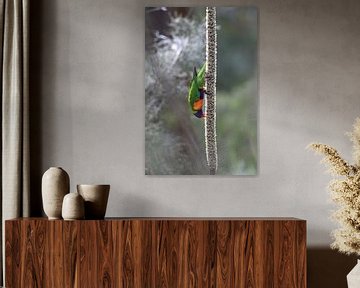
<point>328,268</point>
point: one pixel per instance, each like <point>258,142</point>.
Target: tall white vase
<point>353,278</point>
<point>55,185</point>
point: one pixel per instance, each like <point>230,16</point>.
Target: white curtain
<point>14,23</point>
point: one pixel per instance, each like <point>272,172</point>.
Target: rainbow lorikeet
<point>197,92</point>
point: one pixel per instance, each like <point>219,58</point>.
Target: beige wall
<point>88,108</point>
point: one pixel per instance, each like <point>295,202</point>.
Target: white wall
<point>92,108</point>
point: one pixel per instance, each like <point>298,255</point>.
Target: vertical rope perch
<point>210,109</point>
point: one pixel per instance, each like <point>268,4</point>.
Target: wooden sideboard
<point>156,252</point>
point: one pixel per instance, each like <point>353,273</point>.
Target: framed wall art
<point>201,90</point>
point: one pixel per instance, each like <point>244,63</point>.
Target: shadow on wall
<point>35,51</point>
<point>328,268</point>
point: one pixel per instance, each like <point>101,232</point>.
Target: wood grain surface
<point>149,252</point>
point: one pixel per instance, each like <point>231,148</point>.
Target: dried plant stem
<point>355,138</point>
<point>210,111</point>
<point>337,165</point>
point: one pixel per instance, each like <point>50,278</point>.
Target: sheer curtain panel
<point>14,21</point>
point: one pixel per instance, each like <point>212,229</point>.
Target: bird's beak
<point>195,73</point>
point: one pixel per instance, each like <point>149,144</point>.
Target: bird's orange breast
<point>198,105</point>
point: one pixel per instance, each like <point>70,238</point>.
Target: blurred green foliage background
<point>174,44</point>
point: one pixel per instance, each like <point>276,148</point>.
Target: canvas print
<point>201,90</point>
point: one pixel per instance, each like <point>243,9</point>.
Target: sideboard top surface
<point>175,219</point>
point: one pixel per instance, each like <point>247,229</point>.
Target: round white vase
<point>55,185</point>
<point>353,278</point>
<point>73,207</point>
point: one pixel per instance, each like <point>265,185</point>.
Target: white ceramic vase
<point>96,198</point>
<point>55,185</point>
<point>73,207</point>
<point>353,278</point>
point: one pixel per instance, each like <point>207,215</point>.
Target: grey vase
<point>96,198</point>
<point>55,185</point>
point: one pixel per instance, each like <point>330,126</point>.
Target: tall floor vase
<point>353,278</point>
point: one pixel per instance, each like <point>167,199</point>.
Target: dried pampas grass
<point>345,192</point>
